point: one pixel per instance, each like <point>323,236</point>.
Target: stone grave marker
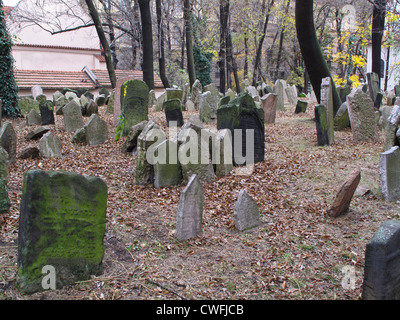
<point>327,101</point>
<point>390,174</point>
<point>33,118</point>
<point>47,112</point>
<point>72,116</point>
<point>36,90</point>
<point>189,217</point>
<point>207,107</point>
<point>8,140</point>
<point>342,120</point>
<point>130,143</point>
<point>96,130</point>
<point>373,85</point>
<point>268,103</point>
<point>223,160</point>
<point>167,170</point>
<point>197,90</point>
<point>301,106</point>
<point>61,226</point>
<point>321,122</point>
<point>382,264</point>
<point>37,133</point>
<point>173,112</point>
<point>246,212</point>
<point>3,165</point>
<point>279,90</point>
<point>50,146</point>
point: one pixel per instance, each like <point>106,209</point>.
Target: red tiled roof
<point>53,47</point>
<point>56,80</point>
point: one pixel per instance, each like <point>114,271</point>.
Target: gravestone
<point>111,103</point>
<point>391,98</point>
<point>36,91</point>
<point>327,101</point>
<point>301,106</point>
<point>70,95</point>
<point>134,103</point>
<point>50,146</point>
<point>29,153</point>
<point>3,165</point>
<point>207,107</point>
<point>253,92</point>
<point>173,112</point>
<point>26,104</point>
<point>344,92</point>
<point>246,212</point>
<point>343,197</point>
<point>92,108</point>
<point>279,90</point>
<point>33,118</point>
<point>151,136</point>
<point>8,140</point>
<point>189,106</point>
<point>130,143</point>
<point>62,225</point>
<point>291,93</point>
<point>390,126</point>
<point>342,120</point>
<point>152,99</point>
<point>397,90</point>
<point>73,119</point>
<point>189,217</point>
<point>382,264</point>
<point>363,117</point>
<point>194,153</point>
<point>4,199</point>
<point>242,114</point>
<point>79,136</point>
<point>223,160</point>
<point>37,133</point>
<point>96,130</point>
<point>174,94</point>
<point>373,85</point>
<point>160,101</point>
<point>197,90</point>
<point>268,103</point>
<point>185,93</point>
<point>321,122</point>
<point>390,174</point>
<point>47,112</point>
<point>167,171</point>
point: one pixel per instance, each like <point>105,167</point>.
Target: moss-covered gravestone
<point>61,229</point>
<point>243,117</point>
<point>134,103</point>
<point>321,123</point>
<point>173,112</point>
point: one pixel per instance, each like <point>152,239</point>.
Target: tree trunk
<point>378,26</point>
<point>232,61</point>
<point>223,17</point>
<point>147,34</point>
<point>313,58</point>
<point>161,58</point>
<point>103,40</point>
<point>189,42</point>
<point>387,68</point>
<point>282,37</point>
<point>107,6</point>
<point>257,62</point>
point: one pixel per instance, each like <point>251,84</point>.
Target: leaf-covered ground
<point>297,253</point>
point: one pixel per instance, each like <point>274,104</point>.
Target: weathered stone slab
<point>342,120</point>
<point>4,199</point>
<point>37,133</point>
<point>130,143</point>
<point>382,264</point>
<point>8,140</point>
<point>189,215</point>
<point>50,146</point>
<point>279,90</point>
<point>207,107</point>
<point>3,165</point>
<point>362,115</point>
<point>173,112</point>
<point>343,198</point>
<point>29,153</point>
<point>321,122</point>
<point>33,118</point>
<point>246,213</point>
<point>223,160</point>
<point>373,85</point>
<point>167,169</point>
<point>47,112</point>
<point>301,106</point>
<point>327,101</point>
<point>61,225</point>
<point>73,119</point>
<point>96,130</point>
<point>268,103</point>
<point>197,90</point>
<point>390,174</point>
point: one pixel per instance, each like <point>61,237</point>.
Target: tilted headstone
<point>244,115</point>
<point>390,126</point>
<point>189,106</point>
<point>29,153</point>
<point>197,90</point>
<point>33,118</point>
<point>291,93</point>
<point>79,136</point>
<point>373,85</point>
<point>167,170</point>
<point>70,95</point>
<point>160,101</point>
<point>73,119</point>
<point>134,103</point>
<point>61,227</point>
<point>3,165</point>
<point>301,106</point>
<point>37,133</point>
<point>382,264</point>
<point>130,143</point>
<point>173,112</point>
<point>92,108</point>
<point>390,174</point>
<point>96,130</point>
<point>189,217</point>
<point>246,212</point>
<point>363,117</point>
<point>8,140</point>
<point>185,93</point>
<point>268,103</point>
<point>50,146</point>
<point>151,136</point>
<point>321,122</point>
<point>111,103</point>
<point>342,120</point>
<point>207,107</point>
<point>327,101</point>
<point>47,112</point>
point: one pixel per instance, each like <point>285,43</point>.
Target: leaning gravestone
<point>3,165</point>
<point>173,112</point>
<point>134,103</point>
<point>33,118</point>
<point>207,107</point>
<point>246,212</point>
<point>342,120</point>
<point>363,117</point>
<point>61,228</point>
<point>321,122</point>
<point>242,114</point>
<point>96,130</point>
<point>130,143</point>
<point>268,103</point>
<point>390,174</point>
<point>197,90</point>
<point>151,136</point>
<point>167,170</point>
<point>47,112</point>
<point>327,101</point>
<point>189,215</point>
<point>8,140</point>
<point>72,116</point>
<point>382,264</point>
<point>373,85</point>
<point>291,93</point>
<point>50,146</point>
<point>390,126</point>
<point>301,106</point>
<point>37,133</point>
